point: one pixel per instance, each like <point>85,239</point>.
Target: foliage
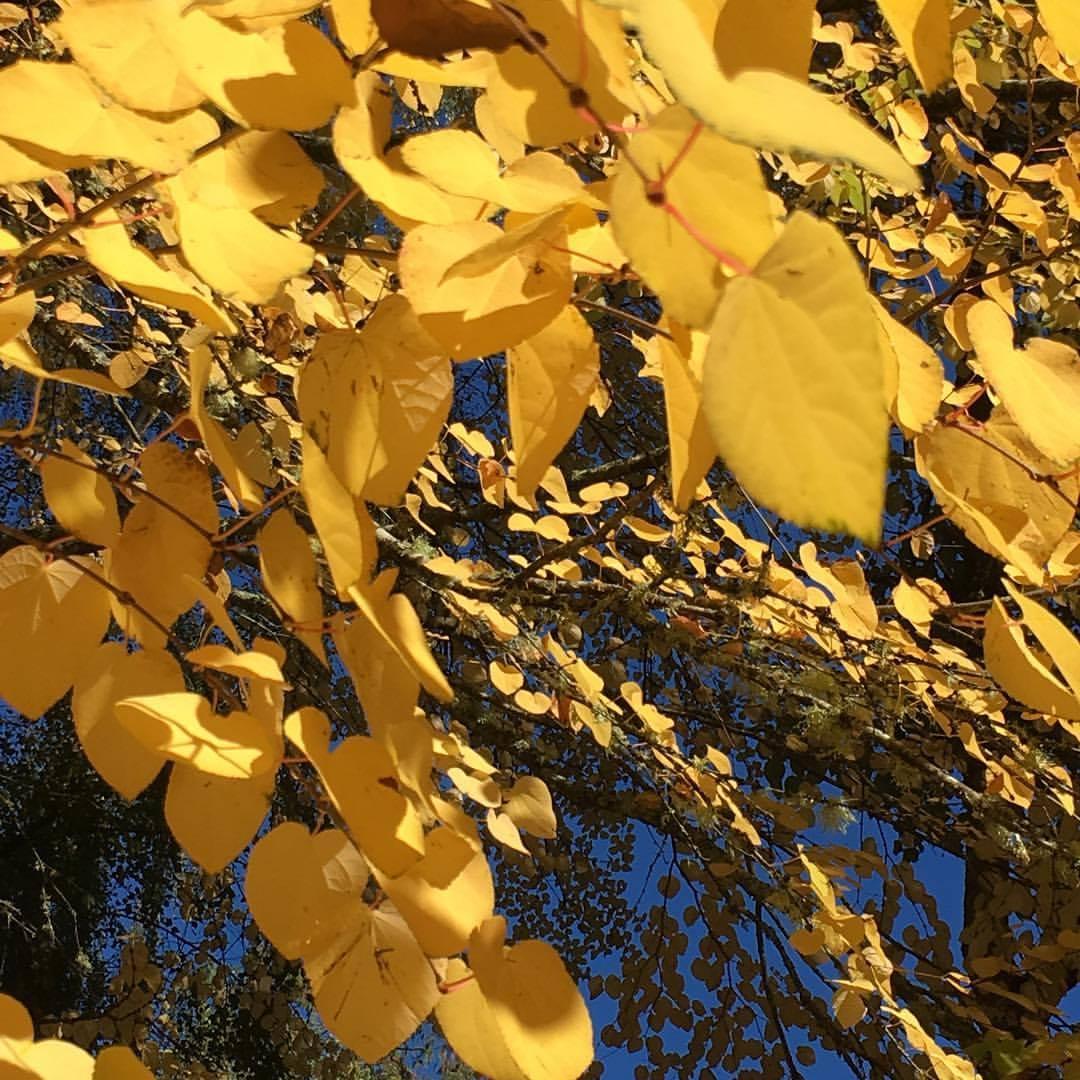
<point>416,414</point>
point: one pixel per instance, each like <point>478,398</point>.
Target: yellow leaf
<point>218,442</point>
<point>1017,670</point>
<point>80,497</point>
<point>50,1059</point>
<point>1062,20</point>
<point>375,401</point>
<point>719,203</point>
<point>774,36</point>
<point>528,100</point>
<point>917,601</point>
<point>361,131</point>
<point>110,251</point>
<point>113,674</point>
<point>1040,385</point>
<point>344,526</point>
<point>21,162</point>
<point>256,14</point>
<point>360,778</point>
<point>18,354</point>
<point>793,384</point>
<point>506,678</point>
<point>1052,634</point>
<point>288,889</point>
<point>550,379</point>
<point>763,109</point>
<point>396,621</point>
<point>385,684</point>
<point>536,1007</point>
<point>58,107</point>
<point>506,832</point>
<point>372,985</point>
<point>914,375</point>
<point>123,46</point>
<point>444,896</point>
<point>52,617</point>
<point>213,819</point>
<point>170,526</point>
<point>470,1028</point>
<point>119,1063</point>
<point>16,315</point>
<point>479,315</point>
<point>681,359</point>
<point>988,481</point>
<point>288,77</point>
<point>922,28</point>
<point>519,236</point>
<point>265,172</point>
<point>290,575</point>
<point>529,807</point>
<point>244,665</point>
<point>234,252</point>
<point>184,727</point>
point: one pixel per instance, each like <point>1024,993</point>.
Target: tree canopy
<point>539,538</point>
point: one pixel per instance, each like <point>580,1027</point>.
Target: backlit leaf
<point>550,379</point>
<point>718,203</point>
<point>793,384</point>
<point>52,617</point>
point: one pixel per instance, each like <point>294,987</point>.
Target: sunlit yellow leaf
<point>527,98</point>
<point>1017,670</point>
<point>290,575</point>
<point>344,526</point>
<point>529,807</point>
<point>917,601</point>
<point>922,28</point>
<point>288,886</point>
<point>184,727</point>
<point>376,400</point>
<point>212,818</point>
<point>361,131</point>
<point>1059,642</point>
<point>396,621</point>
<point>112,675</point>
<point>256,14</point>
<point>762,109</point>
<point>234,252</point>
<point>219,443</point>
<point>681,359</point>
<point>550,379</point>
<point>122,45</point>
<point>169,525</point>
<point>537,1009</point>
<point>58,107</point>
<point>360,778</point>
<point>793,384</point>
<point>478,315</point>
<point>372,985</point>
<point>288,76</point>
<point>16,315</point>
<point>1039,385</point>
<point>120,1063</point>
<point>470,1028</point>
<point>444,896</point>
<point>774,36</point>
<point>20,355</point>
<point>265,172</point>
<point>245,665</point>
<point>80,497</point>
<point>719,205</point>
<point>987,480</point>
<point>109,249</point>
<point>52,617</point>
<point>914,375</point>
<point>1062,19</point>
